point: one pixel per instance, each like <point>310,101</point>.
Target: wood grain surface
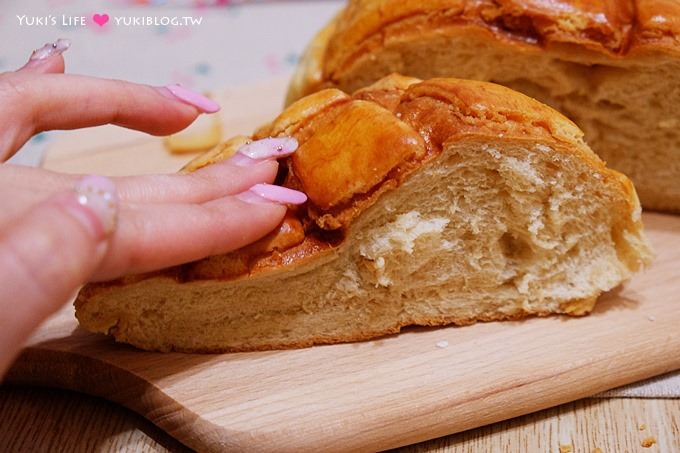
<point>79,423</point>
<point>34,419</point>
<point>374,395</point>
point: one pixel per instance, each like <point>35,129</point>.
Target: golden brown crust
<point>658,23</point>
<point>480,107</point>
<point>602,25</point>
<point>600,28</point>
<point>609,26</point>
<point>354,145</point>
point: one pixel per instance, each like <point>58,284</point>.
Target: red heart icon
<point>100,19</point>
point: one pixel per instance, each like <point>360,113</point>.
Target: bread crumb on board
<point>648,441</point>
<point>642,427</point>
<point>597,450</point>
<point>566,448</point>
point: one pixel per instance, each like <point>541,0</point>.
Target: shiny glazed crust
<point>578,30</point>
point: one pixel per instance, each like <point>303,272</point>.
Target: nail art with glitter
<point>51,49</point>
<point>265,149</point>
<point>99,195</point>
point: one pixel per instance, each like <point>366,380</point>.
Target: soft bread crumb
<point>401,235</point>
<point>349,285</point>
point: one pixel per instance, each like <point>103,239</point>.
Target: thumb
<point>47,254</point>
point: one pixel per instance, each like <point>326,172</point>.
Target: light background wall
<point>236,42</point>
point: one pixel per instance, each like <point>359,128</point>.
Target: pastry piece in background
<point>612,66</point>
<point>429,203</point>
<point>203,134</point>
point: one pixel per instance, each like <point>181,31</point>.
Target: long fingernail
<point>265,149</point>
<point>202,103</point>
<point>267,193</point>
<point>51,49</point>
<point>99,195</point>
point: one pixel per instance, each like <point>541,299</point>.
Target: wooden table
<point>40,419</point>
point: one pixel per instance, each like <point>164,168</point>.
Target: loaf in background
<point>612,66</point>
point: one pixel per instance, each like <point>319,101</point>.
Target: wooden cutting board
<point>374,395</point>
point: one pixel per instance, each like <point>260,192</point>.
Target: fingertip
<point>236,168</point>
<point>239,220</point>
<point>241,178</point>
<point>202,103</point>
<point>264,213</point>
<point>271,193</point>
<point>56,65</point>
<point>263,218</point>
<point>171,115</point>
<point>52,65</point>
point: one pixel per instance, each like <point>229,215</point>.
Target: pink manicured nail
<point>264,149</point>
<point>50,49</point>
<point>269,147</point>
<point>99,195</point>
<point>187,96</point>
<point>266,193</point>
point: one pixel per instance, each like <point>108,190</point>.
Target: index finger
<point>36,102</point>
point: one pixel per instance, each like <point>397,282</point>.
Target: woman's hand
<point>59,231</point>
